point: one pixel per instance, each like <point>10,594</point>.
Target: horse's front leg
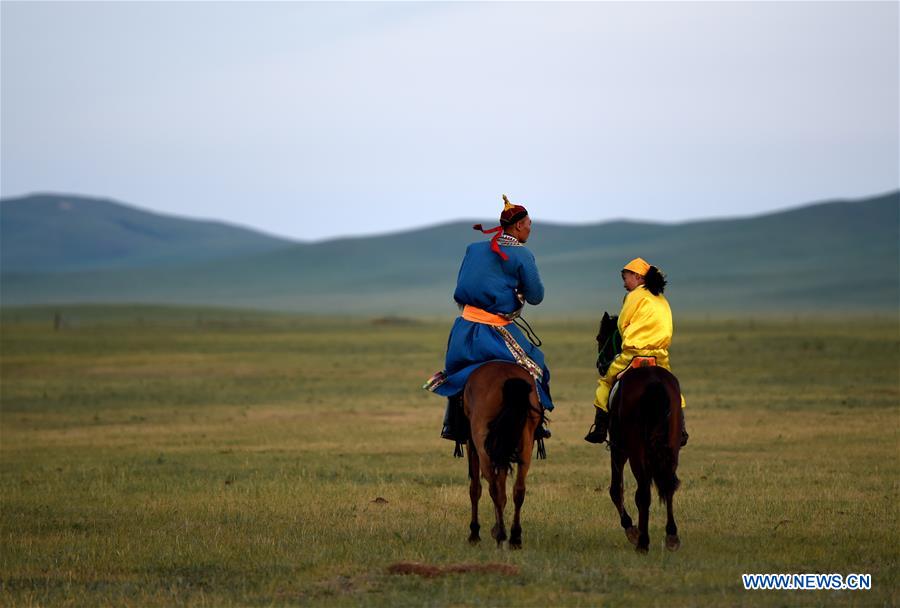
<point>672,540</point>
<point>515,533</point>
<point>642,499</point>
<point>474,491</point>
<point>617,460</point>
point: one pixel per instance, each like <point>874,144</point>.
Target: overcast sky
<point>310,120</point>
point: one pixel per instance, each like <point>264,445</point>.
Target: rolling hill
<point>53,233</point>
<point>833,257</point>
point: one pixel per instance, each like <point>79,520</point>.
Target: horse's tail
<point>505,431</point>
<point>656,409</point>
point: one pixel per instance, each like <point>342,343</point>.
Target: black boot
<point>597,434</point>
<point>542,432</point>
<point>448,431</point>
<point>684,434</point>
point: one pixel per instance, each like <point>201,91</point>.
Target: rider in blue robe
<point>494,281</point>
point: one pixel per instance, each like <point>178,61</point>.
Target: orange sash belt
<point>477,315</point>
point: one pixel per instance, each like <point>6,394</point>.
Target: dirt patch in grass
<point>431,571</point>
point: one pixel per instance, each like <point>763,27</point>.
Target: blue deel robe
<point>490,283</point>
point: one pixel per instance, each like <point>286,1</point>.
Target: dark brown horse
<point>502,405</point>
<point>645,430</point>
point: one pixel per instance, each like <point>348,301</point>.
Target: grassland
<point>157,457</point>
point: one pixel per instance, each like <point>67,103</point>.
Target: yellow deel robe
<point>645,324</point>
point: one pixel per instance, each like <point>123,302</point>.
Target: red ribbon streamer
<point>495,245</point>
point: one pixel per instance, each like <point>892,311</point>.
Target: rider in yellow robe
<point>645,324</point>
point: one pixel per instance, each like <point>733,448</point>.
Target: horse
<point>501,402</point>
<point>644,432</point>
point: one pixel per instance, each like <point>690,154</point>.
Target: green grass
<point>156,457</point>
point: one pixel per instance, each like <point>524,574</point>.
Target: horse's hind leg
<point>515,533</point>
<point>474,492</point>
<point>617,460</point>
<point>642,499</point>
<point>498,494</point>
<point>672,540</point>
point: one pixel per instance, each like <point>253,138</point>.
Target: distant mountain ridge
<point>58,233</point>
<point>839,256</point>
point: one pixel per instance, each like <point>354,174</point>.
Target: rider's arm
<point>459,294</point>
<point>530,281</point>
<point>631,311</point>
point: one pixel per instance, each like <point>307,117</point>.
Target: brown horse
<point>645,430</point>
<point>501,402</point>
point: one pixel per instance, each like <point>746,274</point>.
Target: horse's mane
<point>609,342</point>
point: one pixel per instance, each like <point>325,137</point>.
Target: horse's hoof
<point>515,544</point>
<point>642,550</point>
<point>632,534</point>
<point>672,542</point>
<point>474,539</point>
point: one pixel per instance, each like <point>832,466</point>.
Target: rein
<point>529,332</point>
<point>605,344</point>
<point>532,336</point>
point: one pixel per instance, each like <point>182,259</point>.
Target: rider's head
<point>639,272</point>
<point>515,220</point>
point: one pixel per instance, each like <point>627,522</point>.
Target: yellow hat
<point>638,265</point>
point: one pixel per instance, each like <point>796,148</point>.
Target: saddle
<point>637,363</point>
